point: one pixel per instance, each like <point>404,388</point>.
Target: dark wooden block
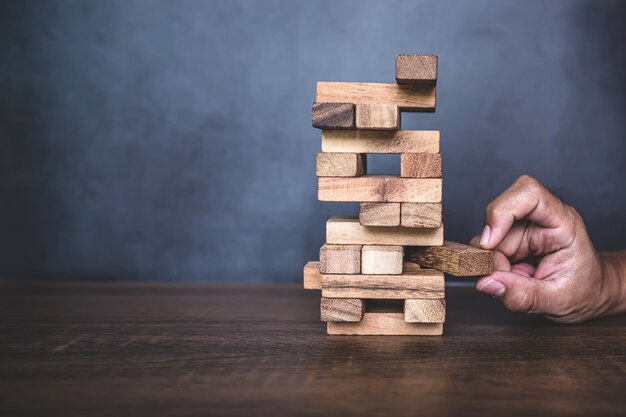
<point>334,115</point>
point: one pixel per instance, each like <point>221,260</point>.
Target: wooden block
<point>424,311</point>
<point>340,164</point>
<point>312,276</point>
<point>420,165</point>
<point>422,215</point>
<point>340,259</point>
<point>377,117</point>
<point>380,141</point>
<point>387,324</point>
<point>410,97</point>
<point>416,69</point>
<point>348,231</point>
<point>380,189</point>
<point>334,115</point>
<point>379,214</point>
<point>406,268</point>
<point>341,309</point>
<point>382,260</point>
<point>424,283</point>
<point>453,258</point>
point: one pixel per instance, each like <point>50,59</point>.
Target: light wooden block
<point>380,189</point>
<point>424,311</point>
<point>379,214</point>
<point>377,117</point>
<point>341,309</point>
<point>382,260</point>
<point>416,69</point>
<point>387,324</point>
<point>423,215</point>
<point>453,258</point>
<point>334,115</point>
<point>340,259</point>
<point>340,164</point>
<point>312,276</point>
<point>411,97</point>
<point>424,283</point>
<point>348,231</point>
<point>381,141</point>
<point>420,165</point>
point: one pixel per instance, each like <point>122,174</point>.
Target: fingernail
<point>484,238</point>
<point>493,288</point>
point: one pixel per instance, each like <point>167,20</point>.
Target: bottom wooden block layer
<point>388,324</point>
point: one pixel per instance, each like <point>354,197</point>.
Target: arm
<point>614,270</point>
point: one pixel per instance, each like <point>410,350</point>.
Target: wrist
<point>613,266</point>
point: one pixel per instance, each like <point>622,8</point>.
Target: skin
<point>544,261</point>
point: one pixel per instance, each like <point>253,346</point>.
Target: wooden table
<point>143,349</point>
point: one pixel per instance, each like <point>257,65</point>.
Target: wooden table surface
<point>144,349</point>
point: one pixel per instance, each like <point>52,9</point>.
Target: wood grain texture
<point>382,260</point>
<point>424,311</point>
<point>454,258</point>
<point>340,259</point>
<point>312,277</point>
<point>348,231</point>
<point>422,215</point>
<point>379,214</point>
<point>196,349</point>
<point>334,115</point>
<point>377,117</point>
<point>388,324</point>
<point>420,165</point>
<point>416,69</point>
<point>341,309</point>
<point>411,97</point>
<point>340,164</point>
<point>425,283</point>
<point>381,141</point>
<point>380,189</point>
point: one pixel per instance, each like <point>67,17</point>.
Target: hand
<point>544,261</point>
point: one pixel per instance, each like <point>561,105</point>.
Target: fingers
<point>518,292</point>
<point>528,199</point>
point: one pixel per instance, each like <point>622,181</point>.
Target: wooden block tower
<point>383,273</point>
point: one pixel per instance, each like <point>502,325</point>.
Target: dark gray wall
<point>172,140</point>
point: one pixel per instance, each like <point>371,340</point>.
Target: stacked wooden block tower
<point>375,271</point>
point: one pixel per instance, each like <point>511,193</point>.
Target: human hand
<point>544,261</point>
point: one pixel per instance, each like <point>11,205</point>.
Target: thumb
<point>517,292</point>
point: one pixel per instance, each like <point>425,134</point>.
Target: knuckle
<point>529,182</point>
<point>523,303</point>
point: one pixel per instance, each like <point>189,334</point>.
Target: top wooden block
<point>408,97</point>
<point>416,69</point>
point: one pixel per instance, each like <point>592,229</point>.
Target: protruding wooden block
<point>340,259</point>
<point>348,231</point>
<point>377,117</point>
<point>379,214</point>
<point>334,115</point>
<point>424,283</point>
<point>341,309</point>
<point>416,69</point>
<point>388,324</point>
<point>341,164</point>
<point>424,311</point>
<point>380,189</point>
<point>411,97</point>
<point>420,165</point>
<point>382,260</point>
<point>381,141</point>
<point>312,276</point>
<point>423,215</point>
<point>453,258</point>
